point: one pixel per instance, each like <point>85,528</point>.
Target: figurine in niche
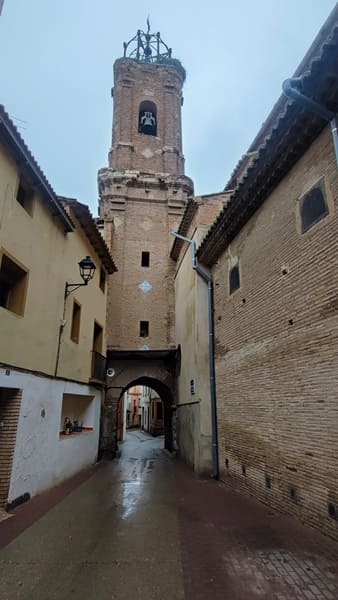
<point>77,426</point>
<point>67,426</point>
<point>147,123</point>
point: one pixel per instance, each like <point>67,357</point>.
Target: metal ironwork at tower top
<point>147,47</point>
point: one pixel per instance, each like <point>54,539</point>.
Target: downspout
<point>212,380</point>
<point>293,87</point>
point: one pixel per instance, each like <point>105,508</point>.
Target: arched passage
<point>154,369</point>
<point>167,399</point>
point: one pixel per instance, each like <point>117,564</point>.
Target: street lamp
<point>87,270</point>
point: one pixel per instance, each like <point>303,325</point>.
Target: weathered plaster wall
<point>191,321</point>
<point>51,258</point>
<point>42,459</point>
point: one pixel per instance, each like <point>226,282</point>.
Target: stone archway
<point>153,368</point>
<point>167,399</point>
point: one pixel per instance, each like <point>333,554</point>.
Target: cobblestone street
<point>145,527</point>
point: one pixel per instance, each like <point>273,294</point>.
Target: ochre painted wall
<point>191,323</point>
<point>50,256</point>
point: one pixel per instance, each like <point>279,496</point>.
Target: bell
<point>147,51</point>
<point>148,119</point>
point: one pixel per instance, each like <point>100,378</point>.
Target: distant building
<point>133,407</point>
<point>52,346</point>
<point>151,412</point>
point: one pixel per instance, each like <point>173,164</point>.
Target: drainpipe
<point>212,382</point>
<point>293,87</point>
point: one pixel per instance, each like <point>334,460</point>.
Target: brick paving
<point>234,548</point>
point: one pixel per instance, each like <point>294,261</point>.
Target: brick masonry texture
<point>141,226</point>
<point>277,348</point>
<point>10,402</point>
<point>161,85</point>
<point>142,197</point>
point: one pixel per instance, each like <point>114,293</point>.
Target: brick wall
<point>162,85</point>
<point>142,196</point>
<point>10,401</point>
<point>277,349</point>
<point>142,225</point>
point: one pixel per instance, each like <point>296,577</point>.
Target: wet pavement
<point>144,527</point>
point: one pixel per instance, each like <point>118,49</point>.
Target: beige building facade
<point>193,406</point>
<point>50,345</point>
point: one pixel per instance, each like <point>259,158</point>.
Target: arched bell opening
<point>147,118</point>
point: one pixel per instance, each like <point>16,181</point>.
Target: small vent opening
<point>268,482</point>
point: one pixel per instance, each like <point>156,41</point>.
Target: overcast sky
<point>56,59</point>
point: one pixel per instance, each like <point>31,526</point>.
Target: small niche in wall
<point>293,493</point>
<point>244,470</point>
<point>268,482</point>
<point>227,463</point>
<point>144,328</point>
<point>77,415</point>
<point>145,259</point>
<point>332,510</point>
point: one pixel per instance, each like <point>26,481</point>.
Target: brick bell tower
<point>143,193</point>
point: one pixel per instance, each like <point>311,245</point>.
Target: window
<point>147,119</point>
<point>75,328</point>
<point>145,259</point>
<point>234,281</point>
<point>103,278</point>
<point>13,285</point>
<point>97,338</point>
<point>144,328</point>
<point>313,207</point>
<point>25,197</point>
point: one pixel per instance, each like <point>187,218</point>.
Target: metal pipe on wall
<point>293,87</point>
<point>212,380</point>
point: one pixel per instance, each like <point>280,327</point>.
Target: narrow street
<point>144,527</point>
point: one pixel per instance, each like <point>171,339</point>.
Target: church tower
<point>143,192</point>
